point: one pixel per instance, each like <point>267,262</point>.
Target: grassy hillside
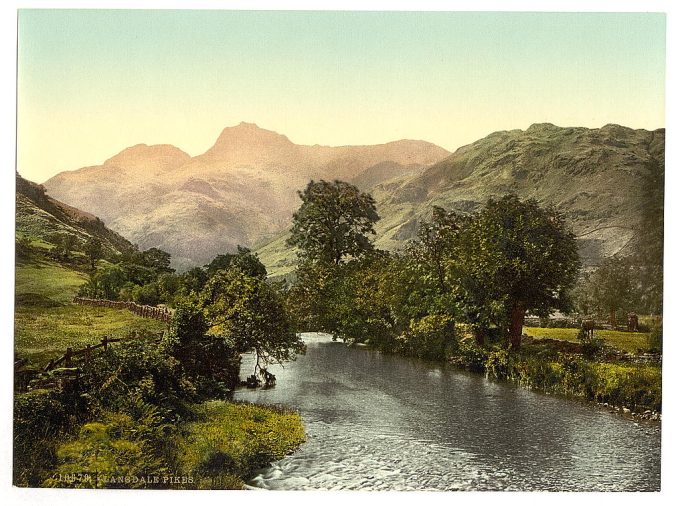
<point>45,321</point>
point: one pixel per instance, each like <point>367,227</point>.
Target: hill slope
<point>40,218</point>
<point>594,176</point>
<point>45,323</point>
<point>243,190</point>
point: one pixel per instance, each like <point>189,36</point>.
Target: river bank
<point>626,388</point>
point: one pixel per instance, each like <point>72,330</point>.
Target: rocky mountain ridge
<point>243,190</point>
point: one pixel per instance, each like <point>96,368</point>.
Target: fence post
<point>67,357</point>
<point>105,342</point>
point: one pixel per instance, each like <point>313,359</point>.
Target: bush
<point>498,365</point>
<point>471,356</point>
<point>147,295</point>
<point>655,339</point>
<point>117,446</point>
<point>39,418</point>
<point>590,346</point>
<point>431,337</point>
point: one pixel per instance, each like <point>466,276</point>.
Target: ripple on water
<point>377,422</point>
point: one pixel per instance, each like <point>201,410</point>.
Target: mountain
<point>243,190</point>
<point>598,178</point>
<point>41,218</point>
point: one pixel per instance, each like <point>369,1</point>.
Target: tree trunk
<point>479,334</point>
<point>516,324</point>
<point>612,318</point>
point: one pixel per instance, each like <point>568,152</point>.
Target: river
<point>383,422</point>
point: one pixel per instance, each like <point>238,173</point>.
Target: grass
<point>45,321</point>
<point>47,281</point>
<point>43,333</point>
<point>624,341</point>
<point>229,441</point>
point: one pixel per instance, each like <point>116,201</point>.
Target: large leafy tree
<point>611,287</point>
<point>514,257</point>
<point>250,314</point>
<point>243,259</point>
<point>333,223</point>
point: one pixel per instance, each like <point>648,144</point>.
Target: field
<point>45,323</point>
<point>624,341</point>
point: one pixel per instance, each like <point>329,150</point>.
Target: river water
<point>382,422</point>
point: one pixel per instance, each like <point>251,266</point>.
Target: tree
<point>333,222</point>
<point>243,259</point>
<point>94,250</point>
<point>611,287</point>
<point>64,244</point>
<point>512,257</point>
<point>648,256</point>
<point>435,244</point>
<point>157,259</point>
<point>194,280</point>
<point>248,313</point>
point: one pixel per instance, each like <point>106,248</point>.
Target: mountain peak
<point>246,137</point>
<point>162,156</point>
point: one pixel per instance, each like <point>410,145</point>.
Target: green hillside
<point>45,321</point>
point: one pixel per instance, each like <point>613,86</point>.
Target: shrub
<point>590,346</point>
<point>471,356</point>
<point>498,365</point>
<point>655,338</point>
<point>431,337</point>
<point>39,418</point>
<point>147,295</point>
<point>117,446</point>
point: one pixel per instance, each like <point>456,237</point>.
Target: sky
<point>93,82</point>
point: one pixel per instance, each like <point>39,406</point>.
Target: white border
<point>670,482</point>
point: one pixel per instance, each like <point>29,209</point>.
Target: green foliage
<point>39,419</point>
<point>193,281</point>
<point>431,337</point>
<point>104,283</point>
<point>655,337</point>
<point>139,368</point>
<point>249,314</point>
<point>471,356</point>
<point>511,257</point>
<point>244,260</point>
<point>64,244</point>
<point>116,447</point>
<point>147,295</point>
<point>229,441</point>
<point>210,362</point>
<point>611,287</point>
<point>591,345</point>
<point>498,364</point>
<point>333,222</point>
<point>648,257</point>
<point>93,250</point>
<point>156,259</point>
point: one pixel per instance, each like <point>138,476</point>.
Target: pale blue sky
<point>94,82</point>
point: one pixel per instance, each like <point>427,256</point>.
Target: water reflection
<point>380,422</point>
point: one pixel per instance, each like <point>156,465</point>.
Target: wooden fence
<point>65,368</point>
<point>156,313</point>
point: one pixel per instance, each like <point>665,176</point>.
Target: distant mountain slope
<point>594,176</point>
<point>243,190</point>
<point>39,218</point>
